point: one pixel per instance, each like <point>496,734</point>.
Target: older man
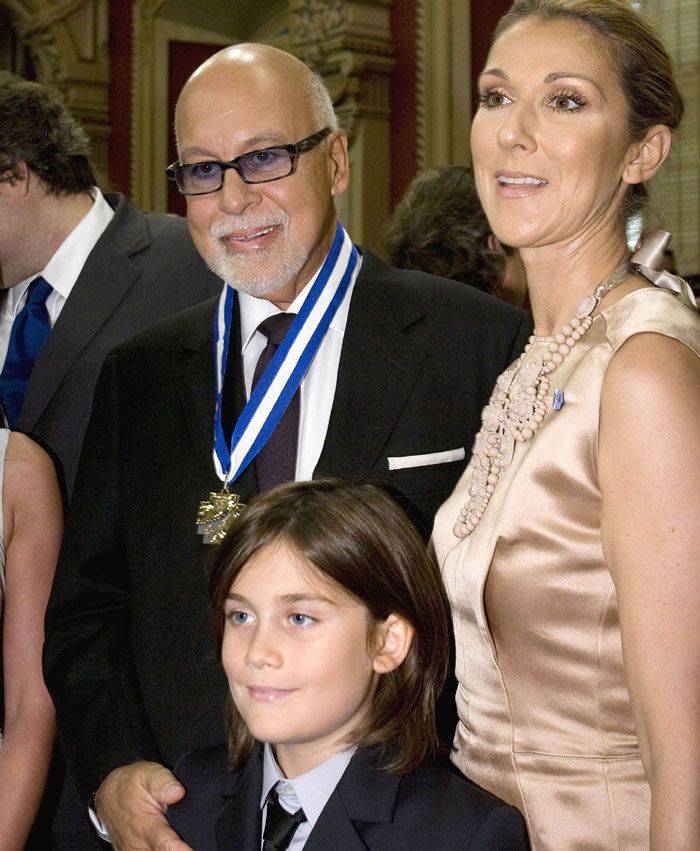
<point>322,361</point>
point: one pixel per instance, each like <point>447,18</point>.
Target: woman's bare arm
<point>32,534</point>
<point>650,480</point>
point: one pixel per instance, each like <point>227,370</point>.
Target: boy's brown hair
<point>357,537</point>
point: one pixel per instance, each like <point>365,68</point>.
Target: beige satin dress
<point>545,718</point>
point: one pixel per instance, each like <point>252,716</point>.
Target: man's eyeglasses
<point>256,167</point>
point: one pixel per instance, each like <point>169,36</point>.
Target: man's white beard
<point>258,273</point>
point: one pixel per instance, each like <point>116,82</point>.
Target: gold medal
<point>215,515</point>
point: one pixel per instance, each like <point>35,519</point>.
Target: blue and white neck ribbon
<point>285,372</point>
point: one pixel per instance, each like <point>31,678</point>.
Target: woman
<point>440,227</point>
<point>31,534</point>
<point>570,548</point>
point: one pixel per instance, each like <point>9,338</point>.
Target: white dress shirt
<point>318,386</point>
<point>310,790</point>
<point>61,272</point>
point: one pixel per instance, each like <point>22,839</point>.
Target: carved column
<point>443,82</point>
<point>349,45</point>
<point>68,41</point>
<point>146,173</point>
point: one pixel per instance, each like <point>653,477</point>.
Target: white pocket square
<point>401,462</point>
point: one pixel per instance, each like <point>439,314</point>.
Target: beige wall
<point>676,190</point>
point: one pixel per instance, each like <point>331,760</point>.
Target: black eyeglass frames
<point>261,166</point>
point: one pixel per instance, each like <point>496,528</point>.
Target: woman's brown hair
<point>357,537</point>
<point>439,226</point>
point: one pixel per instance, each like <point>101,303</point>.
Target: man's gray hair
<point>320,101</point>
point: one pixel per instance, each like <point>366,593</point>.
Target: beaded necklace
<point>519,403</point>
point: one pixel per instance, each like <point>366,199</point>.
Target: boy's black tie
<point>280,825</point>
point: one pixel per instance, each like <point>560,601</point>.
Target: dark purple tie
<point>277,459</point>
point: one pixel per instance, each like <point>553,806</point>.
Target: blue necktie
<point>29,332</point>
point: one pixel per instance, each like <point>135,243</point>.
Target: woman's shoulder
<point>652,310</point>
<point>23,450</point>
<point>656,361</point>
<point>28,468</point>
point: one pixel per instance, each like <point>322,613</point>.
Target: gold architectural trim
<point>68,43</point>
<point>348,42</point>
<point>46,17</point>
<point>20,14</point>
<point>143,18</point>
<point>422,40</point>
<point>41,42</point>
<point>443,82</point>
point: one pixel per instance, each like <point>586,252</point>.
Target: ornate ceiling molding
<point>45,17</point>
<point>68,41</point>
<point>40,39</point>
<point>349,44</point>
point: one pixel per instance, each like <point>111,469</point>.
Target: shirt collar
<point>253,310</point>
<point>313,788</point>
<point>65,266</point>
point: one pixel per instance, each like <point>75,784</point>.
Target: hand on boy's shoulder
<point>132,801</point>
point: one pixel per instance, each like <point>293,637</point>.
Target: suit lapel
<point>240,822</point>
<point>378,368</point>
<point>195,386</point>
<point>108,274</point>
<point>364,795</point>
<point>334,831</point>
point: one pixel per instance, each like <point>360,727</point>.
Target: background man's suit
<point>427,809</point>
<point>143,268</point>
<point>129,656</point>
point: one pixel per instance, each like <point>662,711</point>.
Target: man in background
<point>80,271</point>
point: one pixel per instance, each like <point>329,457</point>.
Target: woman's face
<point>550,140</point>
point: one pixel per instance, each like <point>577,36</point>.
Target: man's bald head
<point>263,60</point>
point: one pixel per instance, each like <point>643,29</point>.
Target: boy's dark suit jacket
<point>425,810</point>
<point>143,268</point>
<point>129,655</point>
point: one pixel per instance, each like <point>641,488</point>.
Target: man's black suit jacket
<point>427,809</point>
<point>143,268</point>
<point>129,656</point>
